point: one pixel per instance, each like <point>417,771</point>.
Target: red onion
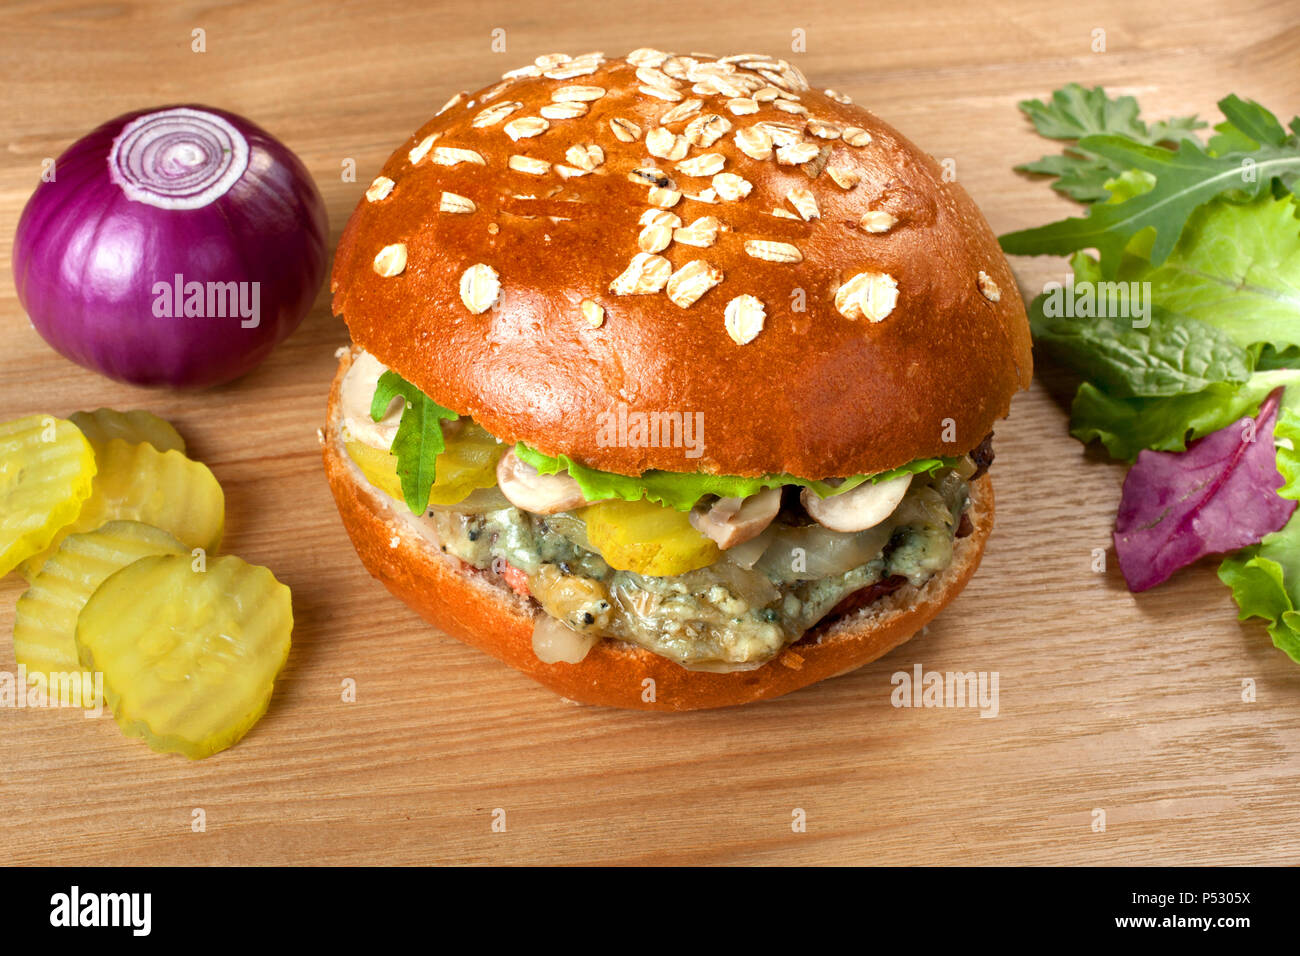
<point>175,246</point>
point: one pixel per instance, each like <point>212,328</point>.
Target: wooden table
<point>1132,705</point>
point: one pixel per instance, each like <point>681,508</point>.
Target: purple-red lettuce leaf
<point>1219,495</point>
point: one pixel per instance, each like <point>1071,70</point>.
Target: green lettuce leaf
<point>1130,183</point>
<point>419,440</point>
<point>1265,578</point>
<point>1236,267</point>
<point>681,490</point>
<point>1127,425</point>
<point>1286,436</point>
<point>1171,356</point>
<point>1267,358</point>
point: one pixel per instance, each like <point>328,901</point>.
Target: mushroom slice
<point>733,521</point>
<point>864,507</point>
<point>528,490</point>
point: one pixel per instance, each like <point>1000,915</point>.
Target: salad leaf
<point>1267,358</point>
<point>1174,129</point>
<point>1286,438</point>
<point>681,490</point>
<point>1130,183</point>
<point>1219,495</point>
<point>1125,426</point>
<point>1081,177</point>
<point>419,440</point>
<point>1229,139</point>
<point>1262,586</point>
<point>1169,357</point>
<point>1248,124</point>
<point>1252,120</point>
<point>1236,267</point>
<point>1265,578</point>
<point>1211,233</point>
<point>1185,179</point>
<point>1076,112</point>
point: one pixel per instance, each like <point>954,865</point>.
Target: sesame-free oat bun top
<point>684,234</point>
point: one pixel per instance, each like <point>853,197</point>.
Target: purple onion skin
<point>86,259</point>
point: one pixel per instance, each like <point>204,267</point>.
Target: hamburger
<point>672,379</point>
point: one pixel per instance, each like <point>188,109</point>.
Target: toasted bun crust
<point>816,393</point>
<point>477,608</point>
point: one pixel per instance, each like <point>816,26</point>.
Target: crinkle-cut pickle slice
<point>137,482</point>
<point>45,618</point>
<point>189,656</point>
<point>104,424</point>
<point>647,538</point>
<point>379,467</point>
<point>47,469</point>
<point>468,463</point>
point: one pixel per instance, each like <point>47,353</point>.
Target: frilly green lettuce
<point>681,490</point>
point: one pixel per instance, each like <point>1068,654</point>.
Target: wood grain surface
<point>1128,704</point>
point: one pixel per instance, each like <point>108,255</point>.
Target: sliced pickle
<point>47,470</point>
<point>104,424</point>
<point>45,619</point>
<point>139,483</point>
<point>647,538</point>
<point>189,657</point>
<point>468,463</point>
<point>379,467</point>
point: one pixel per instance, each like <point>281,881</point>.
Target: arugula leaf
<point>1076,112</point>
<point>1236,267</point>
<point>1230,140</point>
<point>419,440</point>
<point>1265,578</point>
<point>1253,120</point>
<point>1175,129</point>
<point>1185,179</point>
<point>1082,178</point>
<point>681,490</point>
<point>1125,426</point>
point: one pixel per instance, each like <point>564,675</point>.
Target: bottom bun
<point>479,609</point>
